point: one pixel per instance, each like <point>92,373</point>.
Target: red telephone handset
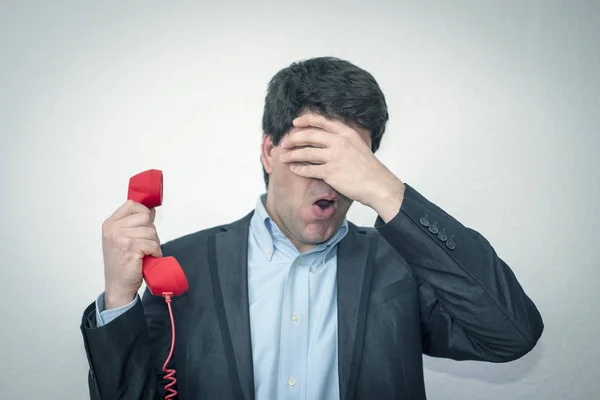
<point>162,275</point>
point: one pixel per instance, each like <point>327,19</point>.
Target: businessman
<point>292,300</point>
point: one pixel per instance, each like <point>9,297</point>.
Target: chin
<point>314,239</point>
<point>320,231</point>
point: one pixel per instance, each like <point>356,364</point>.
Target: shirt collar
<point>269,236</point>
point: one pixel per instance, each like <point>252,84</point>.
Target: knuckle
<point>108,230</point>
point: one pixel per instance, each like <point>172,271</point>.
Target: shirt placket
<point>294,332</point>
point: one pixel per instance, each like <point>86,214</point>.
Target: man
<point>293,301</point>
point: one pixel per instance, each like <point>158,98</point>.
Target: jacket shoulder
<point>194,238</point>
<point>365,230</point>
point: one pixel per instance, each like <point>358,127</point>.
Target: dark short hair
<point>328,86</point>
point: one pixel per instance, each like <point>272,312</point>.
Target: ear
<point>266,152</point>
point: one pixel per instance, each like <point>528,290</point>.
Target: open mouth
<point>324,208</point>
<point>324,204</point>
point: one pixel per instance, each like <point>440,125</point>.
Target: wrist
<point>388,200</point>
<point>117,298</point>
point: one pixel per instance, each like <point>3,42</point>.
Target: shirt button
<point>269,251</point>
<point>291,381</point>
<point>295,318</point>
<point>299,262</point>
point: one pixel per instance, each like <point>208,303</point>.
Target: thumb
<point>158,252</point>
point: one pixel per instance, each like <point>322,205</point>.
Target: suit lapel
<point>228,263</point>
<point>354,269</point>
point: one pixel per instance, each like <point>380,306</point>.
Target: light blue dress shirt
<point>293,313</point>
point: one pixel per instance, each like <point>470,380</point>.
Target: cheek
<point>277,165</point>
<point>290,186</point>
<point>288,183</point>
<point>284,179</point>
<point>282,172</point>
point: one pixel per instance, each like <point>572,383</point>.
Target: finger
<point>135,220</point>
<point>307,154</point>
<point>308,137</point>
<point>308,171</point>
<point>319,121</point>
<point>141,232</point>
<point>128,208</point>
<point>149,247</point>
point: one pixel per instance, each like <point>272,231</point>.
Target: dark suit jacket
<point>403,291</point>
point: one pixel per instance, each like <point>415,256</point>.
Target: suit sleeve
<point>472,305</point>
<point>126,355</point>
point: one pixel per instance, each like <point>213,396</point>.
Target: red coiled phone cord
<point>170,373</point>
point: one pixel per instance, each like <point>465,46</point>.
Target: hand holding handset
<point>163,276</point>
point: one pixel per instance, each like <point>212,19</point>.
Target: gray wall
<point>494,116</point>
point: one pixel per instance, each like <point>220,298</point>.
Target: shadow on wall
<point>495,373</point>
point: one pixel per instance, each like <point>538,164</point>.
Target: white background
<point>495,117</point>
